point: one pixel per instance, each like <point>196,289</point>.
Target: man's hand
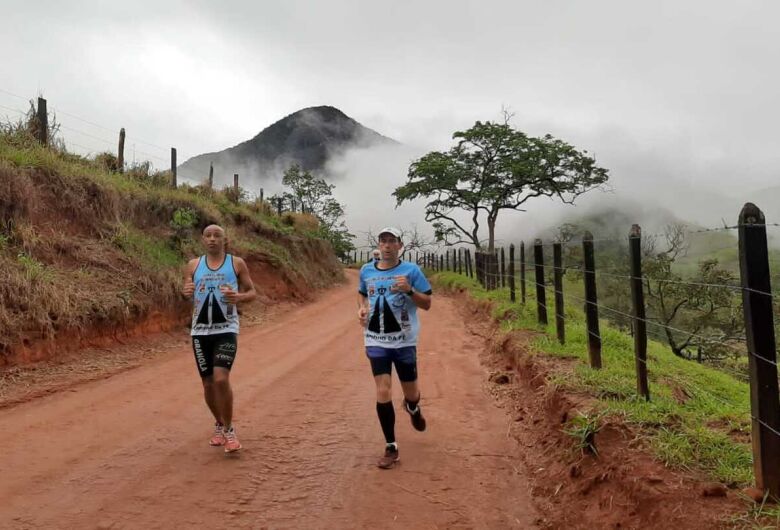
<point>230,296</point>
<point>363,316</point>
<point>401,285</point>
<point>189,289</point>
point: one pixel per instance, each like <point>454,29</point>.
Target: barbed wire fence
<point>544,273</point>
<point>98,137</point>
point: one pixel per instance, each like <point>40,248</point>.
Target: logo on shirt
<point>382,317</point>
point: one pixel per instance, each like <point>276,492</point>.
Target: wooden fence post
<point>541,296</point>
<point>42,115</point>
<point>173,167</point>
<point>491,269</point>
<point>120,152</point>
<point>279,205</point>
<point>512,272</point>
<point>496,270</point>
<point>560,323</point>
<point>211,175</point>
<point>482,269</point>
<point>522,271</point>
<point>441,263</point>
<point>591,301</point>
<point>761,347</point>
<point>638,302</point>
<point>446,259</point>
<point>503,268</point>
<point>460,260</point>
<point>235,185</point>
<point>261,194</point>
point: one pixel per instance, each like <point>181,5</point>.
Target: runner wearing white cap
<point>389,294</point>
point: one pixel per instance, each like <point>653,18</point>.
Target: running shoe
<point>390,457</point>
<point>219,436</point>
<point>231,442</point>
<point>418,422</point>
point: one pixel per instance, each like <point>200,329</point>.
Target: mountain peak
<point>308,137</point>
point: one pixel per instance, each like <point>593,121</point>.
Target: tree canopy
<point>494,167</point>
<point>314,196</point>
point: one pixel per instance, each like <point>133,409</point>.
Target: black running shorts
<point>404,359</point>
<point>214,350</point>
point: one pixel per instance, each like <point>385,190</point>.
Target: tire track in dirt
<point>131,451</point>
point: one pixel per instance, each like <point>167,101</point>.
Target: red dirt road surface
<point>131,450</point>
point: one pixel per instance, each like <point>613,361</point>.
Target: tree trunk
<point>491,234</point>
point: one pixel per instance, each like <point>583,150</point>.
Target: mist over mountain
<point>309,137</point>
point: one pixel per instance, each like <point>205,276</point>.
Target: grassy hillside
<point>697,418</point>
<point>83,247</point>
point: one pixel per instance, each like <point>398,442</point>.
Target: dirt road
<point>131,451</point>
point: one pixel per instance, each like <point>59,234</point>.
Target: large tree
<point>494,167</point>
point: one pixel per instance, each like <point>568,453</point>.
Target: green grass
<point>157,253</point>
<point>33,269</point>
<point>697,416</point>
<point>583,428</point>
<point>277,255</point>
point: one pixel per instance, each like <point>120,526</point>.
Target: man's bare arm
<point>188,287</point>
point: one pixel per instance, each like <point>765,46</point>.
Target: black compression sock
<point>386,414</point>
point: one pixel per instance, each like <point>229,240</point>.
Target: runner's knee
<point>383,396</point>
<point>221,379</point>
<point>384,388</point>
<point>407,371</point>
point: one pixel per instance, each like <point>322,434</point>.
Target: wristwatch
<point>410,292</point>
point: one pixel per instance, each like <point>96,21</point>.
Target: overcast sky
<point>663,91</point>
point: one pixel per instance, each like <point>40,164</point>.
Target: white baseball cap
<point>390,230</point>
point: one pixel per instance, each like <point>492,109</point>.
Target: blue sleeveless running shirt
<point>212,314</point>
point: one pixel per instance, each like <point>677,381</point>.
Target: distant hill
<point>614,222</point>
<point>308,137</point>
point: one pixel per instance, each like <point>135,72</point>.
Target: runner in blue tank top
<point>216,282</point>
<point>389,294</point>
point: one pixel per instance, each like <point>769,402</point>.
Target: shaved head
<point>214,227</point>
<point>215,239</point>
